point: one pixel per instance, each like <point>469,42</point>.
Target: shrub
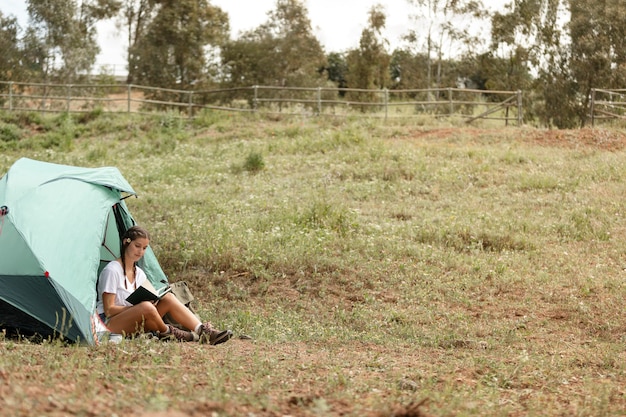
<point>9,133</point>
<point>254,162</point>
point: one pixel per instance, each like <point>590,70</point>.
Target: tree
<point>531,30</point>
<point>569,57</point>
<point>135,17</point>
<point>66,29</point>
<point>368,66</point>
<point>283,51</point>
<point>300,54</point>
<point>447,24</point>
<point>598,57</point>
<point>9,45</point>
<point>407,70</point>
<point>249,60</point>
<point>337,69</point>
<point>172,53</point>
<point>491,72</point>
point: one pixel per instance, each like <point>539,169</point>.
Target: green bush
<point>254,162</point>
<point>9,133</point>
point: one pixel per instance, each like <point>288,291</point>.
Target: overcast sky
<point>336,23</point>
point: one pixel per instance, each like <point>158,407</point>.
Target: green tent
<point>59,226</point>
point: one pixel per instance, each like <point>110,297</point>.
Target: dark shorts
<point>103,317</point>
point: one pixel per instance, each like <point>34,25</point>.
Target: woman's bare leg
<point>179,312</point>
<point>143,317</point>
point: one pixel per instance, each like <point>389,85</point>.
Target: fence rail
<point>607,105</point>
<point>467,104</point>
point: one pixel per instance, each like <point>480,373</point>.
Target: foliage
<point>281,52</point>
<point>135,16</point>
<point>10,64</point>
<point>446,29</point>
<point>254,162</point>
<point>368,66</point>
<point>508,73</point>
<point>570,58</point>
<point>555,51</point>
<point>66,30</point>
<point>598,58</point>
<point>9,132</point>
<point>407,70</point>
<point>171,53</point>
<point>337,69</point>
<point>532,30</point>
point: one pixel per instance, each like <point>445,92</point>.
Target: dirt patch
<point>598,138</point>
<point>610,140</point>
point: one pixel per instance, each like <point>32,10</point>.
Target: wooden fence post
<point>520,113</point>
<point>450,101</point>
<point>128,94</point>
<point>256,97</point>
<point>190,104</point>
<point>10,95</point>
<point>592,109</point>
<point>319,101</point>
<point>69,98</point>
<point>386,101</point>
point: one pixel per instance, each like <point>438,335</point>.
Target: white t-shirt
<point>112,279</point>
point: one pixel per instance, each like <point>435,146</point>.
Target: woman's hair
<point>135,232</point>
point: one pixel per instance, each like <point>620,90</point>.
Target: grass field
<point>380,269</point>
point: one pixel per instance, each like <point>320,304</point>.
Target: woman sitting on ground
<point>121,277</point>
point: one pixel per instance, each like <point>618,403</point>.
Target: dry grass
<point>382,270</point>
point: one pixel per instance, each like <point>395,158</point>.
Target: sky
<point>336,23</point>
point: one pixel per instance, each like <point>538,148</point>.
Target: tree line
<point>556,51</point>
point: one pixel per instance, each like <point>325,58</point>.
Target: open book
<point>146,292</point>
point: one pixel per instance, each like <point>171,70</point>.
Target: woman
<point>121,277</point>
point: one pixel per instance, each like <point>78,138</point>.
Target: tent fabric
<point>62,226</point>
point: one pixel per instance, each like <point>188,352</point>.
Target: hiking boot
<point>213,336</point>
<point>177,334</point>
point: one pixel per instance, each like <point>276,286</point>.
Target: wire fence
<point>466,104</point>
